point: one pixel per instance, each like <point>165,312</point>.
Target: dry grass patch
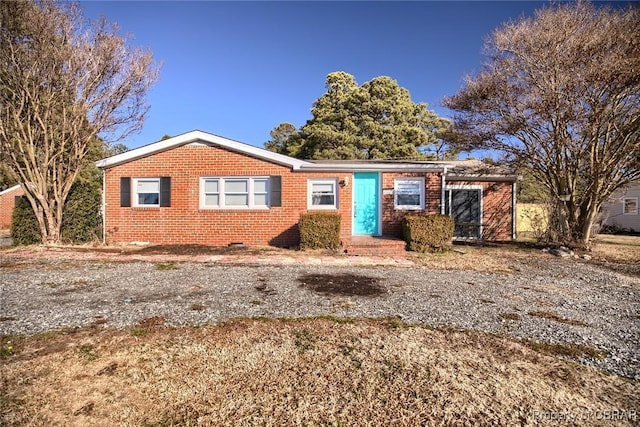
<point>617,248</point>
<point>495,258</point>
<point>165,266</point>
<point>195,249</point>
<point>574,351</point>
<point>510,316</point>
<point>555,317</point>
<point>197,307</point>
<point>311,372</point>
<point>618,253</point>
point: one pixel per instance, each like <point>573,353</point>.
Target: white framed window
<point>210,188</point>
<point>234,192</point>
<point>147,192</point>
<point>322,194</point>
<point>408,193</point>
<point>630,206</point>
<point>260,192</point>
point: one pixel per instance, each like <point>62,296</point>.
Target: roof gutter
<point>378,167</point>
<point>481,177</point>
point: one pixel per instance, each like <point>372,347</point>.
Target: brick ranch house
<point>199,188</point>
<point>7,203</point>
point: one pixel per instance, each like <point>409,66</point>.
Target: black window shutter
<point>125,192</point>
<point>16,199</point>
<point>275,191</point>
<point>165,191</point>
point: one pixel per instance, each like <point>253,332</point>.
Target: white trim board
<point>200,137</point>
<point>10,189</point>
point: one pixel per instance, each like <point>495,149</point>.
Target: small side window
<point>322,194</point>
<point>211,192</point>
<point>147,192</point>
<point>630,206</point>
<point>409,194</point>
<point>260,192</point>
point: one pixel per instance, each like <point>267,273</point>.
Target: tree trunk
<point>580,224</point>
<point>586,223</point>
<point>566,223</point>
<point>53,228</point>
<point>42,222</point>
<point>586,230</point>
<point>49,221</point>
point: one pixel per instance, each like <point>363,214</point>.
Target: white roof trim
<point>9,190</point>
<point>373,166</point>
<point>195,136</point>
<point>481,178</point>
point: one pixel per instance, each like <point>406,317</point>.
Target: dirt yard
<point>302,372</point>
<point>330,366</point>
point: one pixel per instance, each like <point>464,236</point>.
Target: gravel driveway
<point>549,300</point>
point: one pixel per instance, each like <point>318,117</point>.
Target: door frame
<point>378,231</point>
<point>477,187</point>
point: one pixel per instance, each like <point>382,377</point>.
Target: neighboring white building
<point>623,208</point>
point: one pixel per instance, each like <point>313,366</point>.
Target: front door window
<point>464,206</point>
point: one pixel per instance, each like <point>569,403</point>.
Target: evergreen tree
<point>377,120</point>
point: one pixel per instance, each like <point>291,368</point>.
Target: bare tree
<point>63,82</point>
<point>560,94</point>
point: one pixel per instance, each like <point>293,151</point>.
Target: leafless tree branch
<point>63,83</point>
<point>560,92</point>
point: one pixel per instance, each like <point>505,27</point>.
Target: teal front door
<point>366,202</point>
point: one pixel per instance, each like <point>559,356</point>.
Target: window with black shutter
<point>275,191</point>
<point>125,192</point>
<point>165,191</point>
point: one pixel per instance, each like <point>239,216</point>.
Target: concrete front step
<point>373,246</point>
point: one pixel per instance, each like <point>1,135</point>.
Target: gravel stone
<point>594,307</point>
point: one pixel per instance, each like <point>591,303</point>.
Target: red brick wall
<point>497,208</point>
<point>392,218</point>
<point>184,222</point>
<point>7,203</point>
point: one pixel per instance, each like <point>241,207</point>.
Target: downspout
<point>104,207</point>
<point>443,183</point>
<point>514,213</point>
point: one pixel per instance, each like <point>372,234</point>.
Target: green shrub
<point>319,230</point>
<point>24,225</point>
<point>427,233</point>
<point>81,220</point>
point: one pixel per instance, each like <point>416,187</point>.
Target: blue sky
<point>238,69</point>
